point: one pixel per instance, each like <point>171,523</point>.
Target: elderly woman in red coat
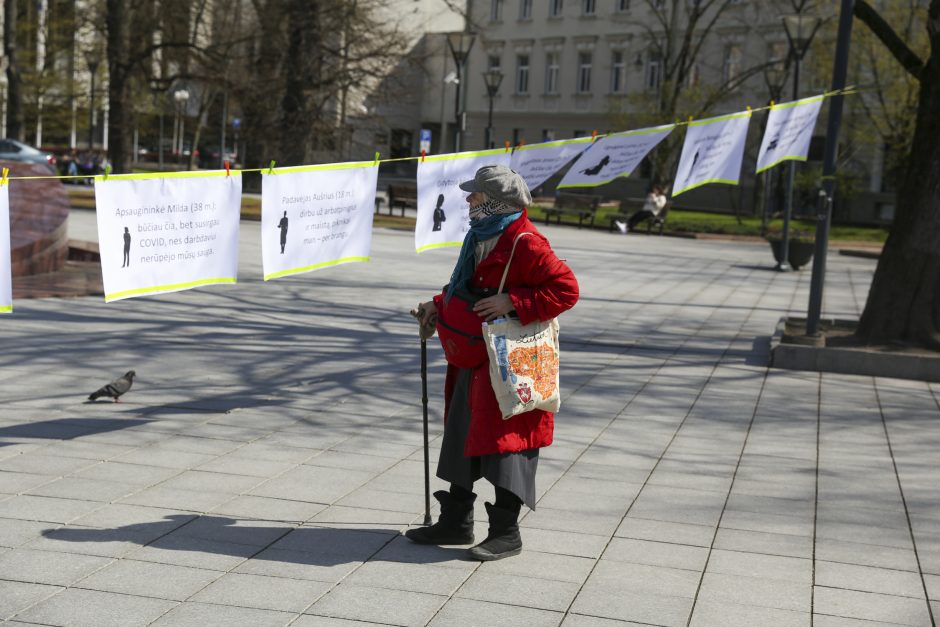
<point>477,442</point>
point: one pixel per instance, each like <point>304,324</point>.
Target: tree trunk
<point>14,87</point>
<point>119,121</point>
<point>904,300</point>
<point>302,47</point>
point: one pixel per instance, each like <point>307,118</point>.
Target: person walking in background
<point>652,207</point>
<point>477,442</point>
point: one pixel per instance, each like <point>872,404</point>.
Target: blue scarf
<point>481,230</point>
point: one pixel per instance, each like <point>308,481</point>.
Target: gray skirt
<point>511,471</point>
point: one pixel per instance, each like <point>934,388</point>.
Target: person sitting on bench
<point>655,201</point>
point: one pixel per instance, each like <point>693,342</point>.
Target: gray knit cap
<point>500,183</point>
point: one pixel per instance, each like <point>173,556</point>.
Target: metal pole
<point>784,265</point>
<point>91,112</point>
<point>160,146</point>
<point>824,217</point>
<point>489,122</point>
<point>224,124</point>
<point>457,127</point>
<point>424,402</point>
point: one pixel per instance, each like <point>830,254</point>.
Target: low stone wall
<point>39,214</point>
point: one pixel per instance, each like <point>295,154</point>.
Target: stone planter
<point>800,253</point>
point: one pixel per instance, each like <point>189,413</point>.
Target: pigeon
<point>116,388</point>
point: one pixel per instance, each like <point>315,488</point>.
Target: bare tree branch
<point>883,31</point>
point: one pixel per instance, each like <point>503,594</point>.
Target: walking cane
<point>424,401</point>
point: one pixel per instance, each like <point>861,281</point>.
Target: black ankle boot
<point>503,539</point>
<point>455,525</point>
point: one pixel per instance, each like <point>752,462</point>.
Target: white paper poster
<point>613,156</point>
<point>535,163</point>
<point>443,212</point>
<point>789,131</point>
<point>6,259</point>
<point>712,152</point>
<point>316,216</point>
<point>167,232</point>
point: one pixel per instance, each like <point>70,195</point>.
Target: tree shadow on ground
<point>65,428</point>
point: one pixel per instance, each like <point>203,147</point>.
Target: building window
<point>493,62</point>
<point>551,73</point>
<point>548,134</point>
<point>584,72</point>
<point>622,6</point>
<point>654,71</point>
<point>496,10</point>
<point>732,65</point>
<point>555,8</point>
<point>525,9</point>
<point>617,72</point>
<point>588,7</point>
<point>522,74</point>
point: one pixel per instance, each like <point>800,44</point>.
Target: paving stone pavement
<point>263,467</point>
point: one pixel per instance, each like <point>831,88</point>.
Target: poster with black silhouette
<point>536,163</point>
<point>613,156</point>
<point>439,216</point>
<point>789,132</point>
<point>161,233</point>
<point>329,209</point>
<point>6,259</point>
<point>438,177</point>
<point>712,152</point>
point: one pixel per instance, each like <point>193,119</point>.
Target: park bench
<point>584,206</point>
<point>401,197</point>
<point>622,215</point>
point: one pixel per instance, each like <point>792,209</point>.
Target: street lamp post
<point>460,43</point>
<point>180,96</point>
<point>92,60</point>
<point>800,31</point>
<point>492,77</point>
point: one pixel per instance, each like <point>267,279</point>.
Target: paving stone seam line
<point>701,391</point>
<point>819,411</point>
<point>907,512</point>
<point>737,466</point>
<point>613,359</point>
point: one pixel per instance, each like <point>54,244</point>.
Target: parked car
<point>13,150</point>
<point>210,159</point>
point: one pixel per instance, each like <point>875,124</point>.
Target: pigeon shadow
<point>284,543</point>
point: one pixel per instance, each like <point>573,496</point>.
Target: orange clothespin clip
<point>594,135</point>
<point>508,145</point>
<point>228,168</point>
<point>423,155</point>
<point>521,143</point>
<point>6,177</point>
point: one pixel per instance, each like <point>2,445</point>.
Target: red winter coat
<point>541,287</point>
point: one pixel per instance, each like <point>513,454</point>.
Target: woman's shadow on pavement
<point>309,545</point>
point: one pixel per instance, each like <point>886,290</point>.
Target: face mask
<point>490,208</point>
